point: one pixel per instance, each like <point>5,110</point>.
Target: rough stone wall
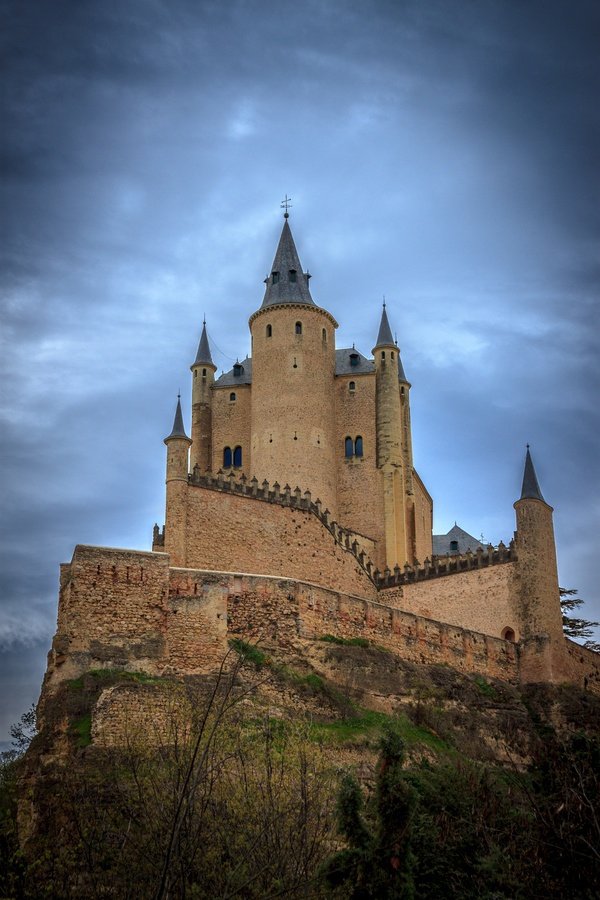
<point>231,424</point>
<point>537,582</point>
<point>113,611</point>
<point>239,534</point>
<point>360,497</point>
<point>141,715</point>
<point>481,599</point>
<point>293,413</point>
<point>197,622</point>
<point>282,610</point>
<point>581,666</point>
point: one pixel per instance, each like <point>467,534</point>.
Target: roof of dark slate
<point>464,540</point>
<point>530,489</point>
<point>385,336</point>
<point>287,260</point>
<point>228,379</point>
<point>178,427</point>
<point>343,363</point>
<point>401,375</point>
<point>203,356</point>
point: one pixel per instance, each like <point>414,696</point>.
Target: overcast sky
<point>445,154</point>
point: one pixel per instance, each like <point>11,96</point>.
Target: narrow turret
<point>390,453</point>
<point>178,444</point>
<point>538,592</point>
<point>203,377</point>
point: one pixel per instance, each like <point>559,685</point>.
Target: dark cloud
<point>444,154</point>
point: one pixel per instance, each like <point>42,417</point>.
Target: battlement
<point>436,567</point>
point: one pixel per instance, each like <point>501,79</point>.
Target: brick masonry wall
<point>258,537</point>
<point>481,599</point>
<point>360,497</point>
<point>231,424</point>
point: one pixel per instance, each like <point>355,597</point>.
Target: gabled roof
<point>456,541</point>
<point>243,376</point>
<point>203,357</point>
<point>385,336</point>
<point>286,265</point>
<point>530,489</point>
<point>178,427</point>
<point>343,362</point>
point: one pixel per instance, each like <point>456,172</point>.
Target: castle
<point>294,510</point>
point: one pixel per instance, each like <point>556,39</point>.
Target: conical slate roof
<point>531,489</point>
<point>385,337</point>
<point>287,283</point>
<point>178,428</point>
<point>401,375</point>
<point>203,357</point>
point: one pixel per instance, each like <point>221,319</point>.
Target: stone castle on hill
<point>294,510</point>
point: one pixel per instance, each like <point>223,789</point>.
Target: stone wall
<point>479,599</point>
<point>231,424</point>
<point>228,532</point>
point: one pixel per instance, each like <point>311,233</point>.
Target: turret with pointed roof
<point>203,377</point>
<point>385,337</point>
<point>203,356</point>
<point>178,430</point>
<point>530,489</point>
<point>287,283</point>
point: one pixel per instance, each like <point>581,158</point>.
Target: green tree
<point>377,863</point>
<point>574,626</point>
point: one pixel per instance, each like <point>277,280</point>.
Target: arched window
<point>508,634</point>
<point>275,277</point>
<point>383,354</point>
<point>453,546</point>
<point>352,387</point>
<point>324,334</point>
<point>358,446</point>
<point>392,354</point>
<point>298,327</point>
<point>269,331</point>
<point>293,274</point>
<point>349,447</point>
<point>204,373</point>
<point>232,396</point>
<point>237,457</point>
<point>227,458</point>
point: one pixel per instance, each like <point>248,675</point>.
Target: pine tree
<point>573,626</point>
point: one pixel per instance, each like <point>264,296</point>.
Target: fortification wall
<point>423,523</point>
<point>478,599</point>
<point>228,532</point>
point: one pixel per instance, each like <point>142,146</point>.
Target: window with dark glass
<point>293,275</point>
<point>354,359</point>
<point>358,446</point>
<point>227,458</point>
<point>453,546</point>
<point>269,331</point>
<point>324,335</point>
<point>275,277</point>
<point>349,447</point>
<point>298,327</point>
<point>237,457</point>
<point>232,396</point>
<point>352,386</point>
<point>237,370</point>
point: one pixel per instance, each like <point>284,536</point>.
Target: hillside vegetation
<point>332,769</point>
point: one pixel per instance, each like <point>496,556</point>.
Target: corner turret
<point>178,444</point>
<point>203,376</point>
<point>538,596</point>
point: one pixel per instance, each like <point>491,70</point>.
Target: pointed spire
<point>384,338</point>
<point>178,427</point>
<point>531,489</point>
<point>401,375</point>
<point>203,357</point>
<point>286,283</point>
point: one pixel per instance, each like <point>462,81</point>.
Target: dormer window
<point>298,327</point>
<point>354,359</point>
<point>293,276</point>
<point>238,370</point>
<point>275,277</point>
<point>453,546</point>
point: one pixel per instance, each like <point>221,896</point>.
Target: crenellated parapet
<point>439,566</point>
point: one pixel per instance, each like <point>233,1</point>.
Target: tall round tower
<point>203,377</point>
<point>293,369</point>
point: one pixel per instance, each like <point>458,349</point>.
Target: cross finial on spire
<point>285,203</point>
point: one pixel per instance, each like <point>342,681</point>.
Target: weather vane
<point>285,204</point>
